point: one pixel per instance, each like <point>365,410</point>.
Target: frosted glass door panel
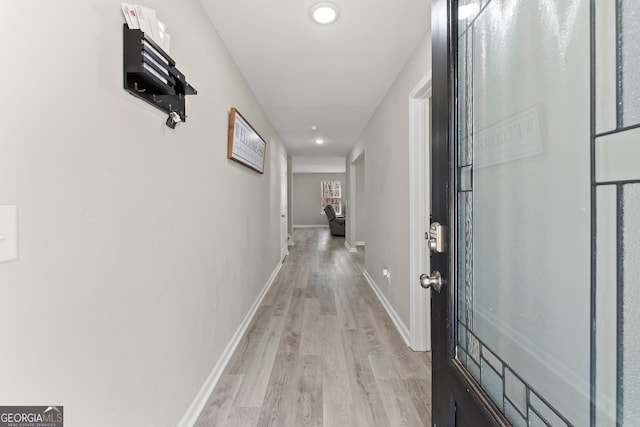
<point>631,308</point>
<point>524,219</point>
<point>630,61</point>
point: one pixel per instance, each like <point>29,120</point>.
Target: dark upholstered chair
<point>336,222</point>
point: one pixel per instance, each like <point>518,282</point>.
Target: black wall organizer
<point>151,75</point>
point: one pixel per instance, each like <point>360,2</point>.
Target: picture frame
<point>245,145</point>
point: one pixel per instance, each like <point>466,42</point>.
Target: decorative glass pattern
<point>492,382</point>
<point>520,403</point>
<point>606,297</point>
<point>629,61</point>
<point>466,178</point>
<point>464,199</point>
<point>517,420</point>
<point>615,366</point>
<point>544,410</point>
<point>535,420</point>
<point>465,101</point>
<point>631,304</point>
<point>617,156</point>
<point>494,45</point>
<point>513,149</point>
<point>515,391</point>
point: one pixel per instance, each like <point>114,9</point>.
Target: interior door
<point>536,123</point>
<point>284,246</point>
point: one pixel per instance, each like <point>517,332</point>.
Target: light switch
<point>8,233</point>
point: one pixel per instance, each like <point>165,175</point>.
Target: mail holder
<point>151,75</point>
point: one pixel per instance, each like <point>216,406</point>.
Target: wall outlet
<point>386,274</point>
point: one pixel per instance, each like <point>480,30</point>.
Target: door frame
<point>457,399</point>
<point>350,238</point>
<point>419,201</point>
<point>284,208</point>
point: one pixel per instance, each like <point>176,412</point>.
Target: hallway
<point>321,350</point>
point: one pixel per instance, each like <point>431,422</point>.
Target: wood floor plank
<point>366,396</point>
<point>369,332</point>
<point>281,304</point>
<point>314,285</point>
<point>420,392</point>
<point>272,294</point>
<point>275,406</point>
<point>219,405</point>
<point>290,278</point>
<point>301,277</point>
<point>362,298</point>
<point>338,415</point>
<point>335,374</point>
<point>305,393</point>
<point>327,294</point>
<point>244,417</point>
<point>398,404</point>
<point>311,334</point>
<point>344,311</point>
<point>410,364</point>
<point>258,369</point>
<point>395,394</point>
<point>321,351</point>
<point>382,367</point>
<point>252,337</point>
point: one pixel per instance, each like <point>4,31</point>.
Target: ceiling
<point>318,164</point>
<point>332,76</point>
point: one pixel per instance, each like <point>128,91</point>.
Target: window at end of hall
<point>330,194</point>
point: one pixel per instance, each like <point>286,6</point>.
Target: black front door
<point>457,399</point>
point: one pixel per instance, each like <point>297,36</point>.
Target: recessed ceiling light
<point>314,128</point>
<point>324,13</point>
<point>319,141</point>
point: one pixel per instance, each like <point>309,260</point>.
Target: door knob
<point>435,281</point>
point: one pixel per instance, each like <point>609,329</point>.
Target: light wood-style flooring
<point>322,351</point>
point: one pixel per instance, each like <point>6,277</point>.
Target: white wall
<point>141,248</point>
<point>307,208</point>
<point>385,143</point>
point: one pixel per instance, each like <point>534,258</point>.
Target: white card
<point>166,43</point>
<point>130,16</point>
<point>164,37</point>
<point>148,22</point>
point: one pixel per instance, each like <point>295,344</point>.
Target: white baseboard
<point>192,414</point>
<point>311,226</point>
<point>402,329</point>
<point>360,244</point>
<point>348,246</point>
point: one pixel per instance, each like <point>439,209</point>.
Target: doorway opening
<point>419,210</point>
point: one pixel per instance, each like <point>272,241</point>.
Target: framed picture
<point>245,146</point>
